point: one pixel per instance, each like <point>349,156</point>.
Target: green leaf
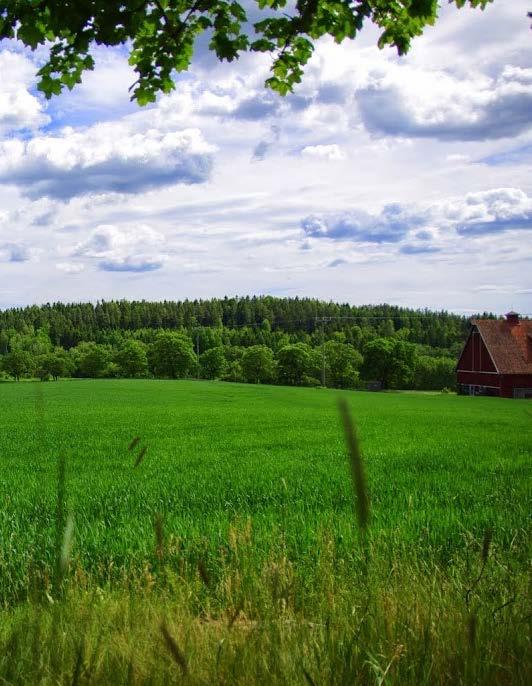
<point>162,35</point>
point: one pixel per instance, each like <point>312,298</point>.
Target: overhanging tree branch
<point>163,34</point>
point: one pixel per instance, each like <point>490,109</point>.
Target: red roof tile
<point>509,346</point>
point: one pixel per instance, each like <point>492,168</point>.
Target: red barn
<point>497,358</point>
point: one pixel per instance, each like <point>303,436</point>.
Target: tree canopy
<point>161,35</point>
<point>256,340</point>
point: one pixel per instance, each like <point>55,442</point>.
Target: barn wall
<point>490,381</point>
<point>510,382</point>
<point>475,356</point>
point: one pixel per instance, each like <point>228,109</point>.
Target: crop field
<point>202,532</point>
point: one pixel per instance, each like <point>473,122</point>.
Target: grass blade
<point>488,535</point>
<point>158,525</point>
<point>66,546</point>
<point>174,649</point>
<point>60,523</point>
<point>140,457</point>
<point>204,574</point>
<point>357,466</point>
<point>134,443</point>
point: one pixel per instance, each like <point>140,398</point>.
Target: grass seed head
<point>174,649</point>
<point>204,574</point>
<point>134,443</point>
<point>356,464</point>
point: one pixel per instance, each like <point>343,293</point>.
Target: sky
<point>405,180</point>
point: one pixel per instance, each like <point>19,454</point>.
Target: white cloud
<point>70,267</point>
<point>457,157</point>
<point>413,102</point>
<point>330,152</point>
<point>131,249</point>
<point>14,252</point>
<point>391,225</point>
<point>490,212</point>
<point>475,214</point>
<point>19,109</point>
<point>113,157</point>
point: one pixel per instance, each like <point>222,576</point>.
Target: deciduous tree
<point>294,362</point>
<point>90,359</point>
<point>172,356</point>
<point>132,359</point>
<point>435,373</point>
<point>391,361</point>
<point>18,363</point>
<point>258,364</point>
<point>213,363</point>
<point>342,364</point>
<point>161,34</point>
<point>54,365</point>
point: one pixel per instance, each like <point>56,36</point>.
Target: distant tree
<point>53,365</point>
<point>205,337</point>
<point>90,360</point>
<point>34,342</point>
<point>342,364</point>
<point>294,362</point>
<point>435,373</point>
<point>234,353</point>
<point>292,320</point>
<point>378,360</point>
<point>405,355</point>
<point>132,359</point>
<point>386,328</point>
<point>112,371</point>
<point>233,372</point>
<point>18,363</point>
<point>40,343</point>
<point>390,361</point>
<point>172,356</point>
<point>258,364</point>
<point>4,342</point>
<point>213,363</point>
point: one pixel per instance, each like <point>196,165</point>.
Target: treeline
<point>257,340</point>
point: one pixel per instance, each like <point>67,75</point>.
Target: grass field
<point>237,530</point>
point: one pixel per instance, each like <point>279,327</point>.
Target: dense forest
<point>294,341</point>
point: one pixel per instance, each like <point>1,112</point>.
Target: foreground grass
<point>236,532</point>
<point>405,630</point>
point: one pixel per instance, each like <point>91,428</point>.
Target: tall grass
<point>414,627</point>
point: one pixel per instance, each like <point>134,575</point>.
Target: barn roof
<point>509,346</point>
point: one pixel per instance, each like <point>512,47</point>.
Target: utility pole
<point>322,320</point>
<point>323,354</point>
<point>197,355</point>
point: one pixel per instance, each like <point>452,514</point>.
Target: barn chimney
<point>512,318</point>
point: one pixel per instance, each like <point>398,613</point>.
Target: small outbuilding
<point>497,358</point>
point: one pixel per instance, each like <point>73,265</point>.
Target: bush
<point>310,381</point>
<point>234,372</point>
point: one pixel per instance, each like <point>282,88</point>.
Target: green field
<point>256,541</point>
